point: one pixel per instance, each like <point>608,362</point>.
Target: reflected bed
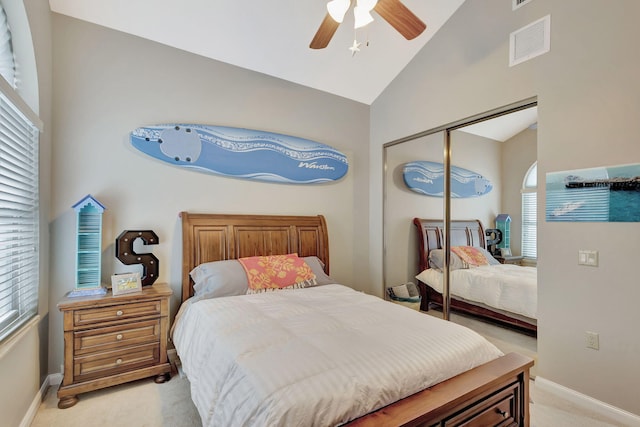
<point>500,293</point>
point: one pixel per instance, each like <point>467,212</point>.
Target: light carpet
<point>141,403</point>
<point>144,403</point>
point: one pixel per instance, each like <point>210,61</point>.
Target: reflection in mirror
<point>514,137</point>
<point>476,156</point>
<point>502,150</point>
<point>503,160</point>
<point>401,205</point>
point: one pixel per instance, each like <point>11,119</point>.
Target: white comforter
<point>505,286</point>
<point>318,356</point>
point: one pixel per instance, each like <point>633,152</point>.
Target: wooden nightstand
<point>517,260</point>
<point>111,340</point>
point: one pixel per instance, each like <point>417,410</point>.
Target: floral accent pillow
<point>275,272</point>
<point>470,255</point>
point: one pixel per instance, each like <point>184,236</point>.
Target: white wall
<point>108,83</point>
<point>587,90</point>
<point>20,372</point>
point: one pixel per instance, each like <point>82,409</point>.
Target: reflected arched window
<point>529,213</point>
<point>7,61</point>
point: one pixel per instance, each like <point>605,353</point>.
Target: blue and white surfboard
<point>427,178</point>
<point>241,153</point>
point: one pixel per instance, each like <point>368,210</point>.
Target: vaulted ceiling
<point>272,37</point>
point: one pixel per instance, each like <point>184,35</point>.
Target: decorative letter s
<point>126,254</point>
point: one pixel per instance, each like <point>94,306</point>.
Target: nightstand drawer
<point>114,337</point>
<point>115,313</point>
<point>113,362</point>
<point>500,409</point>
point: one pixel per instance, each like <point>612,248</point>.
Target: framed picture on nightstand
<point>127,283</point>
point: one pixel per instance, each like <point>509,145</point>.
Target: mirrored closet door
<point>500,146</point>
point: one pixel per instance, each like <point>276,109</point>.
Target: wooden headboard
<point>431,236</point>
<point>216,237</point>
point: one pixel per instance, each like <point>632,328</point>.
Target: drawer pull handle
<point>119,361</point>
<point>119,313</point>
<point>119,337</point>
<point>503,413</point>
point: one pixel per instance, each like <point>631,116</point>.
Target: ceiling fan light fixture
<point>394,12</point>
<point>362,17</point>
<point>337,9</point>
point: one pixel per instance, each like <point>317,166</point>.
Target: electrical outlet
<point>593,340</point>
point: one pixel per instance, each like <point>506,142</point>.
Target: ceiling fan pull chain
<point>355,47</point>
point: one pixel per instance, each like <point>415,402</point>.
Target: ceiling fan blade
<point>325,32</point>
<point>400,18</point>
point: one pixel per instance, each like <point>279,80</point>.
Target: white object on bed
<point>228,278</point>
<point>507,287</point>
<point>314,357</point>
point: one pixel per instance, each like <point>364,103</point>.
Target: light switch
<point>588,257</point>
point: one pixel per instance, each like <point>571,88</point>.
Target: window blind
<point>19,218</point>
<point>529,224</point>
<point>529,213</point>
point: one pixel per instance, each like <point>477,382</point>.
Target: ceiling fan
<point>392,11</point>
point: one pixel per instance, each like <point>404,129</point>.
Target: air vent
<point>530,41</point>
<point>519,3</point>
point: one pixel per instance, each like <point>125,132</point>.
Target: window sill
<point>14,338</point>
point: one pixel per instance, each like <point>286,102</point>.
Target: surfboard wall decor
<point>241,153</point>
<point>427,178</point>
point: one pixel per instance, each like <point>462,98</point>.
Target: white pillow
<point>317,267</point>
<point>436,260</point>
<point>489,257</point>
<point>220,279</point>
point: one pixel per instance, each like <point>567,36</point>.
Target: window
<point>529,213</point>
<point>7,63</point>
<point>19,199</point>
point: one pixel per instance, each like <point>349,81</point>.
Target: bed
<point>327,344</point>
<point>500,293</point>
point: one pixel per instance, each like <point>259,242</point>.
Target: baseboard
<point>51,380</point>
<point>584,401</point>
<point>55,379</point>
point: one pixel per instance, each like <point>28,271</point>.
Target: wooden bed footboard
<point>496,393</point>
<point>432,298</point>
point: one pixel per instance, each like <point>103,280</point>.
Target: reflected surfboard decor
<point>241,153</point>
<point>427,178</point>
